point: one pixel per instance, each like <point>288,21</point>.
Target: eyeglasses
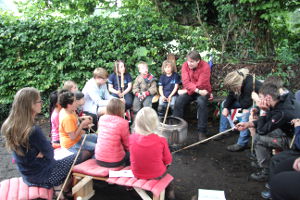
<point>41,101</point>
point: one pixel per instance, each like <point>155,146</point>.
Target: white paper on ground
<point>211,194</point>
<point>61,153</point>
<point>121,173</point>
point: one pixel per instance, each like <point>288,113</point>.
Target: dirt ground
<point>206,166</point>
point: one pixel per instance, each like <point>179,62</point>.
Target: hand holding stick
<point>66,180</point>
<point>166,114</point>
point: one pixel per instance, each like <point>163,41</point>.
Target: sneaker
<point>236,147</point>
<point>260,176</point>
<point>267,185</point>
<point>266,194</point>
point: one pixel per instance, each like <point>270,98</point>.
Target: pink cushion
<point>149,185</point>
<point>15,188</point>
<point>161,184</point>
<point>4,188</point>
<point>24,190</point>
<point>155,186</point>
<point>139,183</point>
<point>91,168</point>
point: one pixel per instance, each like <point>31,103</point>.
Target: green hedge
<point>43,54</point>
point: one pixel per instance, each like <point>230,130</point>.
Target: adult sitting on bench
<point>32,152</point>
<point>196,86</point>
<point>272,127</point>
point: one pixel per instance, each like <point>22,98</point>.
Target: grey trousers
<point>263,145</point>
<point>137,104</point>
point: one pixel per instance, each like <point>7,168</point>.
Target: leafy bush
<point>43,54</point>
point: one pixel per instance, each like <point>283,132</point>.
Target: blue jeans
<point>224,124</point>
<point>163,105</point>
<point>89,144</point>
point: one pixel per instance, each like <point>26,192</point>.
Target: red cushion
<point>91,168</point>
<point>15,188</point>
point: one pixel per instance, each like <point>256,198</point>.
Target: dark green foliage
<point>44,53</point>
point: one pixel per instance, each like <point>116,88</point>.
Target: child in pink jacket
<point>113,133</point>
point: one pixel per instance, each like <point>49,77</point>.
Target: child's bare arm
<point>79,130</point>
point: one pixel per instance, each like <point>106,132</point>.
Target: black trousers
<point>183,100</point>
<point>279,158</point>
<point>285,184</point>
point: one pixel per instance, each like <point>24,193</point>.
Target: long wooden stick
<point>252,137</point>
<point>202,141</point>
<point>166,114</point>
<point>66,180</point>
<point>293,140</point>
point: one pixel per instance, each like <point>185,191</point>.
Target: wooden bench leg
<point>84,188</point>
<point>143,194</point>
<point>162,195</point>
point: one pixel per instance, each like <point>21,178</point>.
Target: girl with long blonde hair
<point>31,150</point>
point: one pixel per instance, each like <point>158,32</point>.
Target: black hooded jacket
<point>286,109</point>
<point>244,98</point>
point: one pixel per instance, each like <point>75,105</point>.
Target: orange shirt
<point>67,123</point>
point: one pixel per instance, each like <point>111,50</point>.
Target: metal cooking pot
<point>175,130</point>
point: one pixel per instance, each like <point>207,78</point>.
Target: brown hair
<point>167,62</point>
<point>115,107</point>
<point>235,79</point>
<point>270,89</point>
<point>194,55</point>
<point>274,80</point>
<point>18,125</point>
<point>100,73</point>
<point>116,68</point>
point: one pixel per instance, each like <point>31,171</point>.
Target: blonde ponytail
<point>235,79</point>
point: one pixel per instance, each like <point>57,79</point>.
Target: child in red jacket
<point>113,134</point>
<point>149,153</point>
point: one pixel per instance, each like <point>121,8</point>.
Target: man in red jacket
<point>196,86</point>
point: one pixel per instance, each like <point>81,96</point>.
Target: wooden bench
<point>16,189</point>
<point>84,173</point>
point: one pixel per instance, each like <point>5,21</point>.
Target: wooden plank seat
<point>16,189</point>
<point>89,170</point>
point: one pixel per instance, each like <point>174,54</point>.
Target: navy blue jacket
<point>297,138</point>
<point>36,170</point>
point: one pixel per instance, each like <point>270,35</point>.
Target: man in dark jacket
<point>272,127</point>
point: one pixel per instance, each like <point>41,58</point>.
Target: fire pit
<point>175,130</point>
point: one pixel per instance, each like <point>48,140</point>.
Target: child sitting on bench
<point>71,132</point>
<point>113,133</point>
<point>31,150</point>
<point>149,152</point>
